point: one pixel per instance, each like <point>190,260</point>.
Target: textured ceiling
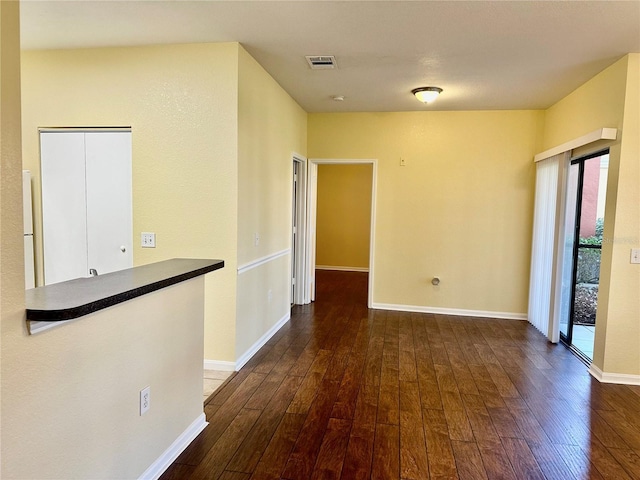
<point>485,55</point>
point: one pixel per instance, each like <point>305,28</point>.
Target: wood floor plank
<point>257,440</point>
<point>303,456</point>
<point>495,461</point>
<point>551,462</point>
<point>439,451</point>
<point>438,353</point>
<point>578,461</point>
<point>628,459</point>
<point>479,419</point>
<point>332,450</point>
<point>414,464</point>
<point>234,476</point>
<point>274,458</point>
<point>358,458</point>
<point>628,432</point>
<point>373,363</point>
<point>386,453</point>
<point>177,471</point>
<point>218,457</point>
<point>468,461</point>
<point>454,411</point>
<point>425,370</point>
<point>345,404</point>
<point>389,397</point>
<point>531,430</point>
<point>486,388</point>
<point>604,461</point>
<point>268,388</point>
<point>503,422</point>
<point>221,419</point>
<point>522,459</point>
<point>460,368</point>
<point>312,380</point>
<point>407,356</point>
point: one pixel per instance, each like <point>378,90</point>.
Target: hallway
<point>346,392</point>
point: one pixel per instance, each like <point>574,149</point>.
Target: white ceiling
<point>484,54</point>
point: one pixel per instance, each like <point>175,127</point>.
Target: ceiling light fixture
<point>427,94</point>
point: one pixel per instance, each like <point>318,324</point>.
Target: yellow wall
<point>181,102</point>
<point>71,404</point>
<point>271,127</point>
<point>12,313</point>
<point>461,208</point>
<point>343,224</point>
<point>611,99</point>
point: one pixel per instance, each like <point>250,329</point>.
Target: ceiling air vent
<point>321,62</point>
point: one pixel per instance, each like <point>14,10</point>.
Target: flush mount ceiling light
<point>427,94</point>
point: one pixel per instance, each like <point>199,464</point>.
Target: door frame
<point>312,210</point>
<point>579,160</point>
<point>299,249</point>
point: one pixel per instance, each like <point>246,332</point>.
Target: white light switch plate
<point>635,255</point>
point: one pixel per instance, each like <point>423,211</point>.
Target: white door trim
<point>299,258</point>
<point>312,204</point>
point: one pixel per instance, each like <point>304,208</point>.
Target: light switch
<point>635,255</point>
<point>148,240</point>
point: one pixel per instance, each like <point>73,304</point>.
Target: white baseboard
<point>165,460</point>
<point>342,269</point>
<point>219,365</point>
<point>246,356</point>
<point>621,378</point>
<point>450,311</point>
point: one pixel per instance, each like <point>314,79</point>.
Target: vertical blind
<point>544,222</point>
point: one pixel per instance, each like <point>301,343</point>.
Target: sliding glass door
<point>586,190</point>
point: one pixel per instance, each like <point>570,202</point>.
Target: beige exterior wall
<point>611,99</point>
<point>271,127</point>
<point>460,209</point>
<point>181,103</point>
<point>343,225</point>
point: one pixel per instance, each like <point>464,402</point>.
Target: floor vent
<point>321,62</point>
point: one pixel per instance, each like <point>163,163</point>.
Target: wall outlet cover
<point>145,400</point>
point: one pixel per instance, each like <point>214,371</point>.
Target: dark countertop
<point>75,298</point>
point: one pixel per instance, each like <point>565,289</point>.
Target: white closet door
<point>109,216</point>
<point>63,206</point>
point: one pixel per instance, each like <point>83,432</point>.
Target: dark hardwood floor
<point>346,392</point>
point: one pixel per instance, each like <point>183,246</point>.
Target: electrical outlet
<point>145,400</point>
<point>269,295</point>
<point>148,240</point>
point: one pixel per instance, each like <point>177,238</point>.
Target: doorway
<point>313,218</point>
<point>586,192</point>
<point>299,295</point>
